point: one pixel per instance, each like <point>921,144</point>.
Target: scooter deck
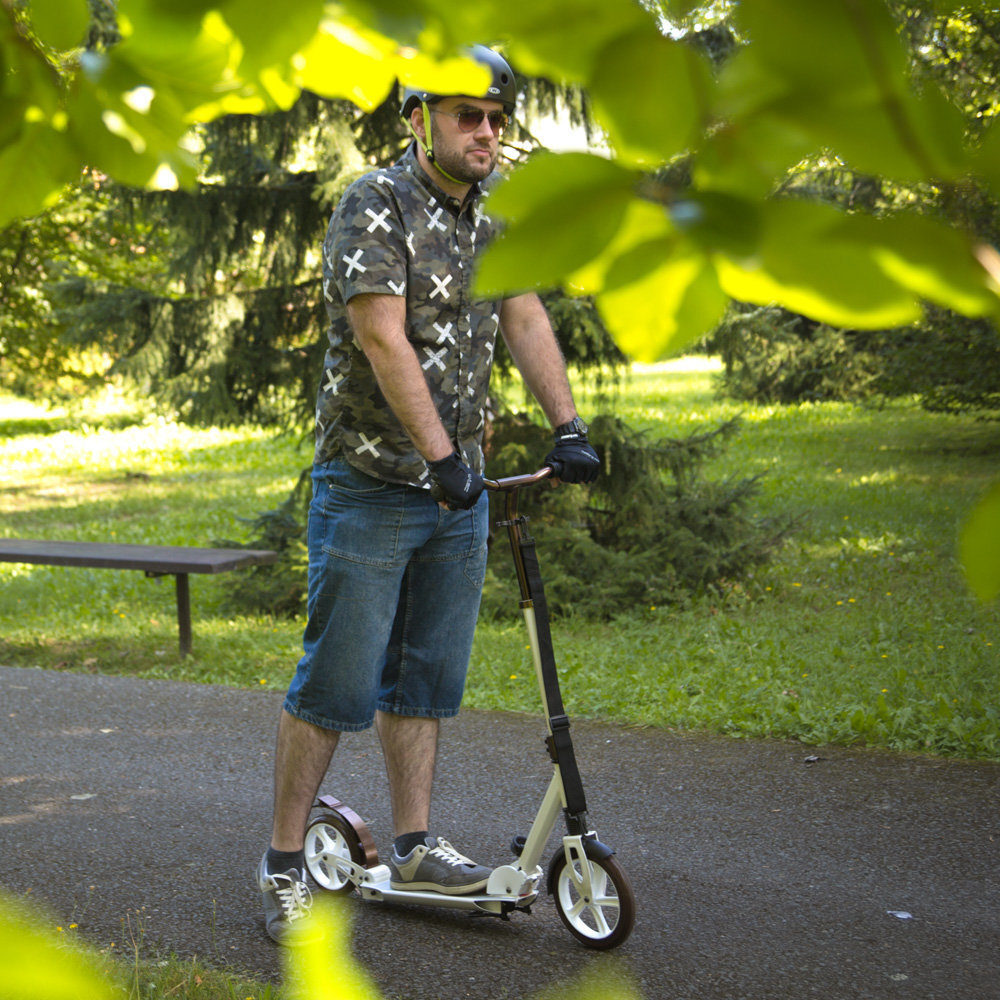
<point>375,885</point>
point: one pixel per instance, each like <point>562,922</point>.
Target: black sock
<point>279,862</point>
<point>405,843</point>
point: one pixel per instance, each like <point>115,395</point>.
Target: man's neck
<point>450,187</point>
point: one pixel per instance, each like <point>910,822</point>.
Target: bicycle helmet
<point>503,86</point>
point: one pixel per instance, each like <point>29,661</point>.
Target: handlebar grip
<point>509,483</point>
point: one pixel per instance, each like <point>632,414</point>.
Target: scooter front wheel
<point>595,900</point>
<point>328,837</point>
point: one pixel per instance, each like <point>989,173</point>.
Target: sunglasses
<point>469,121</point>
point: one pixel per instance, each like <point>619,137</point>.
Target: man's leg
<point>302,757</point>
<point>409,745</point>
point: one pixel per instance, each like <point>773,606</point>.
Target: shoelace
<point>449,855</point>
<point>296,899</point>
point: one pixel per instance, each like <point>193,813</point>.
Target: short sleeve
<point>365,246</point>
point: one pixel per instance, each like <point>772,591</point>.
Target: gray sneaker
<point>286,899</point>
<point>437,867</point>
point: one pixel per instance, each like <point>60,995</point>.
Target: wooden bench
<point>154,560</point>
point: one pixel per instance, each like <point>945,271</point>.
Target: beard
<point>455,162</point>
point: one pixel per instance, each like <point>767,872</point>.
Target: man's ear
<point>417,121</point>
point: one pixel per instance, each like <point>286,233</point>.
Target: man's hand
<point>455,484</point>
<point>573,460</point>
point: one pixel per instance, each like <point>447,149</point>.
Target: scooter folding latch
<point>522,519</point>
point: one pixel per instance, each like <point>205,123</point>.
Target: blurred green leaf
<point>986,159</point>
<point>654,312</point>
<point>979,546</point>
<point>930,259</point>
<point>319,964</point>
<point>813,259</point>
<point>33,170</point>
<point>271,41</point>
<point>595,984</point>
<point>561,211</point>
<point>188,60</point>
<point>549,175</point>
<point>60,24</point>
<point>651,94</point>
<point>38,966</point>
<point>348,61</point>
<point>718,220</point>
<point>810,46</point>
<point>565,38</point>
<point>744,155</point>
<point>838,72</point>
<point>644,222</point>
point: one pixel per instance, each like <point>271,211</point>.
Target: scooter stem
<point>536,615</point>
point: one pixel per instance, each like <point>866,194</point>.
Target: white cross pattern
<point>385,179</point>
<point>441,287</point>
<point>434,221</point>
<point>396,289</point>
<point>353,263</point>
<point>378,220</point>
<point>326,291</point>
<point>409,245</point>
<point>434,358</point>
<point>367,445</point>
<point>333,381</point>
<point>445,332</point>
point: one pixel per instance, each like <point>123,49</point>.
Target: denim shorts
<point>394,588</point>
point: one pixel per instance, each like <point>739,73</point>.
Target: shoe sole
<point>447,890</point>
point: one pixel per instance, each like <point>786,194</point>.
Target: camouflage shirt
<point>396,233</point>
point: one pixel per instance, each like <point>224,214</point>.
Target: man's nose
<point>484,130</point>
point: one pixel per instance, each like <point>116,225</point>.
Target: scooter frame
<point>591,890</point>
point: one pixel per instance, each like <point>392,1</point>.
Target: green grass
<point>861,630</point>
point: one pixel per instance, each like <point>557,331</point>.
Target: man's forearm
<point>535,351</point>
<point>378,322</point>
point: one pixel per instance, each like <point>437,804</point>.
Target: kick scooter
<point>591,891</point>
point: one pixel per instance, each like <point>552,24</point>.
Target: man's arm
<point>533,346</point>
<point>379,325</point>
<point>535,350</point>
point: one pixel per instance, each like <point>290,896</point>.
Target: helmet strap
<point>427,143</point>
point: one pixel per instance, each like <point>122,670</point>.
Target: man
<point>398,521</point>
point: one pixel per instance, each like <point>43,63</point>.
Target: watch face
<point>574,426</point>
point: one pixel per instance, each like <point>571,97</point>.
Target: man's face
<point>468,156</point>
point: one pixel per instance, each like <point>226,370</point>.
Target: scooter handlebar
<point>509,483</point>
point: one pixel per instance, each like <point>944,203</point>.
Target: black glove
<point>573,460</point>
<point>455,483</point>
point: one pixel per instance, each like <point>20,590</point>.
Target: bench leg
<point>183,612</point>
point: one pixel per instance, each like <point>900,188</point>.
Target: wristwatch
<point>575,428</point>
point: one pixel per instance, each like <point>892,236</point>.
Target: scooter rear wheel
<point>603,917</point>
<point>330,836</point>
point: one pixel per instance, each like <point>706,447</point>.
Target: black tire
<point>330,835</point>
<point>603,921</point>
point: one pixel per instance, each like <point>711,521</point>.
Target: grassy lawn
<point>861,630</point>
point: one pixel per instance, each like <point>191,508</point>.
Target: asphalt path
<point>759,871</point>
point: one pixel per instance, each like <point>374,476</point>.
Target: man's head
<point>502,86</point>
<point>459,134</point>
